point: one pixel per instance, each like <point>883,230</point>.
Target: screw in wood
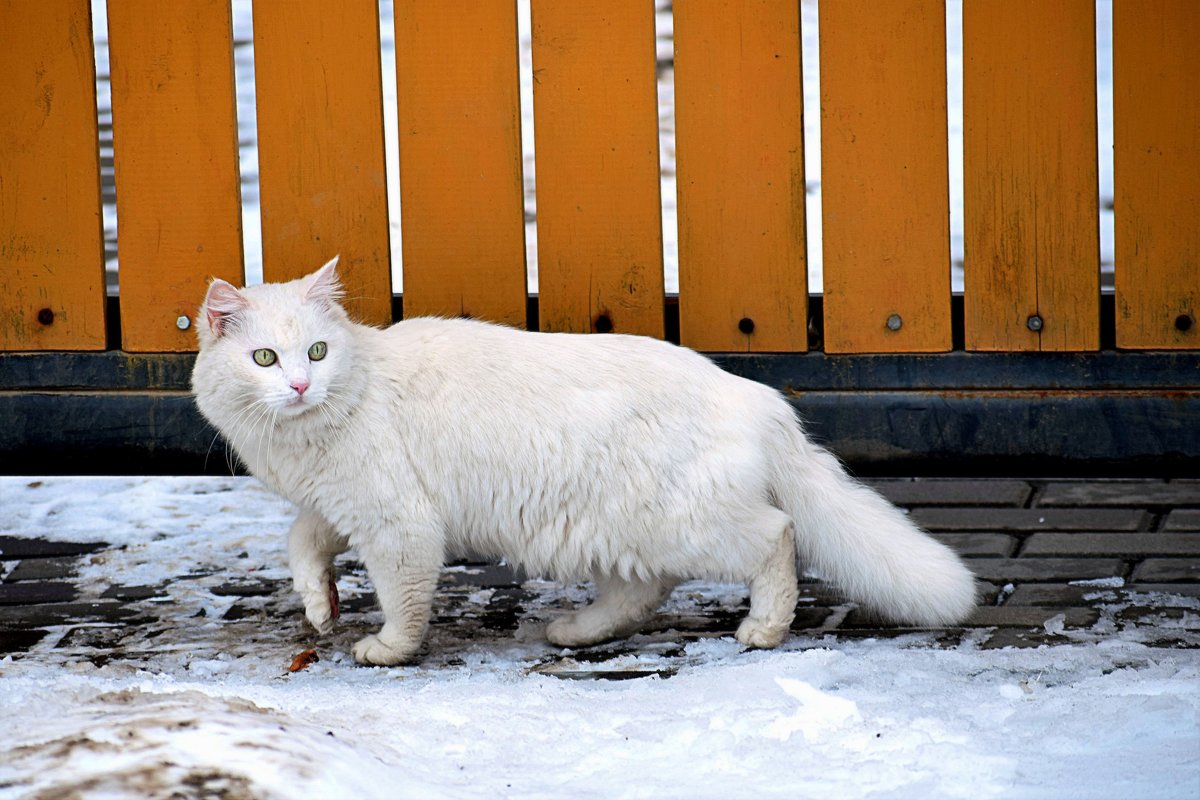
<point>183,323</point>
<point>603,324</point>
<point>746,325</point>
<point>1034,323</point>
<point>894,322</point>
<point>1184,323</point>
<point>45,316</point>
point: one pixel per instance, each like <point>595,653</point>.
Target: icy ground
<point>198,702</point>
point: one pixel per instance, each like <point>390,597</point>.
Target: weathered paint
<point>51,237</point>
<point>884,176</point>
<point>176,156</point>
<point>599,219</point>
<point>460,160</point>
<point>740,166</point>
<point>1156,110</point>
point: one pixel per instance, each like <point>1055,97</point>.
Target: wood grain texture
<point>1031,192</point>
<point>176,161</point>
<point>1156,109</point>
<point>740,164</point>
<point>322,177</point>
<point>51,231</point>
<point>884,176</point>
<point>460,160</point>
<point>599,219</point>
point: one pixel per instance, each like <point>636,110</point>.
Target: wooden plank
<point>460,160</point>
<point>176,161</point>
<point>884,176</point>
<point>1030,193</point>
<point>599,218</point>
<point>51,231</point>
<point>740,166</point>
<point>1156,109</point>
<point>322,178</point>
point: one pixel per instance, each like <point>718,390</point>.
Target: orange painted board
<point>599,218</point>
<point>322,176</point>
<point>740,171</point>
<point>176,162</point>
<point>51,231</point>
<point>461,191</point>
<point>1031,221</point>
<point>1156,109</point>
<point>885,176</point>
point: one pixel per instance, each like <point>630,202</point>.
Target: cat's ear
<point>222,305</point>
<point>323,287</point>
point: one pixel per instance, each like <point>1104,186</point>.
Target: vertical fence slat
<point>322,176</point>
<point>740,165</point>
<point>1029,157</point>
<point>1156,109</point>
<point>176,162</point>
<point>51,237</point>
<point>460,160</point>
<point>599,216</point>
<point>884,176</point>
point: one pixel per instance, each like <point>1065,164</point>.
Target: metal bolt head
<point>894,322</point>
<point>746,325</point>
<point>1184,323</point>
<point>1034,323</point>
<point>183,323</point>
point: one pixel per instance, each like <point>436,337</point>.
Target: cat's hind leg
<point>312,545</point>
<point>773,595</point>
<point>620,609</point>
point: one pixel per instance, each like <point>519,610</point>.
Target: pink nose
<point>300,386</point>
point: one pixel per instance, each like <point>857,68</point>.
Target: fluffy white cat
<point>624,459</point>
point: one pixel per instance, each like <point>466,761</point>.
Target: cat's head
<point>279,348</point>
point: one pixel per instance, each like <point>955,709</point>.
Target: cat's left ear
<point>323,286</point>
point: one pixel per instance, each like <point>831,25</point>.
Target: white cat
<point>620,458</point>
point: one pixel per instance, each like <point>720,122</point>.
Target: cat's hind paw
<point>373,650</point>
<point>755,633</point>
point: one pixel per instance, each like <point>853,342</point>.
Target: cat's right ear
<point>222,305</point>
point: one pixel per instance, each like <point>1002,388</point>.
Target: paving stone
<point>252,589</point>
<point>134,592</point>
<point>1018,570</point>
<point>28,594</point>
<point>1167,570</point>
<point>1183,589</point>
<point>41,569</point>
<point>1185,519</point>
<point>1031,519</point>
<point>953,491</point>
<point>1015,637</point>
<point>15,641</point>
<point>41,616</point>
<point>12,547</point>
<point>1112,544</point>
<point>1052,594</point>
<point>1007,616</point>
<point>974,545</point>
<point>1128,494</point>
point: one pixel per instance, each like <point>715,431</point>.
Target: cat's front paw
<point>321,605</point>
<point>374,650</point>
<point>566,631</point>
<point>756,633</point>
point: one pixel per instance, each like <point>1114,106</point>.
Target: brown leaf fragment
<point>304,660</point>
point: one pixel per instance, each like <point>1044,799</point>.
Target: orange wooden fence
<point>1031,271</point>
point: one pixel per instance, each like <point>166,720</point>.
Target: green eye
<point>264,357</point>
<point>318,351</point>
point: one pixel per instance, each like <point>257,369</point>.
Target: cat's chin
<point>296,408</point>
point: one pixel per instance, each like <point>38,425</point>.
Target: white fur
<point>621,458</point>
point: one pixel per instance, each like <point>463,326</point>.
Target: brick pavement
<point>1034,544</point>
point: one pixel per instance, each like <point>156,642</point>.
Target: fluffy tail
<point>864,545</point>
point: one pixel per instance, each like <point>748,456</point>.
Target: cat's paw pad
<point>754,633</point>
<point>373,650</point>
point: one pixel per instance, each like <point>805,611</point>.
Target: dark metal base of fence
<point>1115,413</point>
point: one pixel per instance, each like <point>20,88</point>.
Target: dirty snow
<point>201,706</point>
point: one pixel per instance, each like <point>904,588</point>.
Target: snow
<point>203,705</point>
